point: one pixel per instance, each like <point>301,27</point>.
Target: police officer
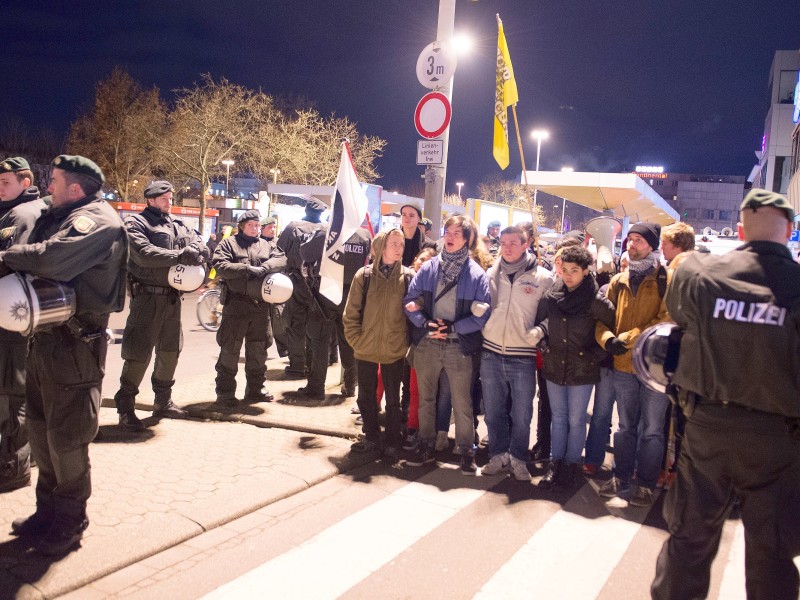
<point>325,318</point>
<point>742,434</point>
<point>20,206</point>
<point>492,239</point>
<point>242,262</point>
<point>268,226</point>
<point>79,239</point>
<point>157,242</point>
<point>295,315</point>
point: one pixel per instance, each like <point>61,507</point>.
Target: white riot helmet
<point>275,288</point>
<point>28,303</point>
<point>655,355</point>
<point>186,278</point>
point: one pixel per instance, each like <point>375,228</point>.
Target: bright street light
<point>567,170</point>
<point>459,184</point>
<point>228,164</point>
<point>538,135</point>
<point>462,44</point>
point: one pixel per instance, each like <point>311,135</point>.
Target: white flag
<point>349,206</point>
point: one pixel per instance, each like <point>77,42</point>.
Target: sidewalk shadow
<point>210,410</point>
<point>298,399</point>
<point>114,434</point>
<point>22,566</point>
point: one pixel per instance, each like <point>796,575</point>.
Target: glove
<point>189,256</point>
<point>205,254</point>
<point>446,328</point>
<point>616,346</point>
<point>535,336</point>
<point>257,272</point>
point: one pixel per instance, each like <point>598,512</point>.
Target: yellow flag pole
<point>534,220</point>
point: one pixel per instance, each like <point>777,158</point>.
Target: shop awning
<point>626,194</point>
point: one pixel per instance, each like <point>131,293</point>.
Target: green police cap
<point>757,198</point>
<point>268,221</point>
<point>12,165</point>
<point>80,165</point>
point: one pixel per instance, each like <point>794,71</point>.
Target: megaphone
<point>655,355</point>
<point>604,230</point>
<point>726,232</point>
<point>186,278</point>
<point>275,288</point>
<point>29,303</point>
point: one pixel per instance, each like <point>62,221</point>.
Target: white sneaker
<point>497,464</point>
<point>442,443</point>
<point>519,469</point>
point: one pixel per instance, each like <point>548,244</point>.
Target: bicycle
<point>209,309</point>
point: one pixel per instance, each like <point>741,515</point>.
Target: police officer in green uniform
<point>742,436</point>
<point>157,242</point>
<point>242,261</point>
<point>296,312</point>
<point>20,206</point>
<point>80,240</point>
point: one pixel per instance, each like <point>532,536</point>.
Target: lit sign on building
<point>649,170</point>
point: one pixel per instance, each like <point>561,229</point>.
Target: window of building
<point>709,214</point>
<point>725,215</point>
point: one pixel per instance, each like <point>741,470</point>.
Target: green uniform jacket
<point>741,316</point>
<point>82,244</point>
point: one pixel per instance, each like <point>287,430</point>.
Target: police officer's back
<point>738,378</point>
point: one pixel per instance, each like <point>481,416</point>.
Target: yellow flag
<point>505,95</point>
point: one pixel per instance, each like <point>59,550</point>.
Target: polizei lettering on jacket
<point>762,313</point>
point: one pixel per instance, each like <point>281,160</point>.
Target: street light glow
<point>567,170</point>
<point>459,184</point>
<point>540,134</point>
<point>462,44</point>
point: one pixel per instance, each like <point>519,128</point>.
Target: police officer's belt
<point>245,298</point>
<point>76,328</point>
<point>155,289</point>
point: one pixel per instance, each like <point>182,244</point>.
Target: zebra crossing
<point>444,535</point>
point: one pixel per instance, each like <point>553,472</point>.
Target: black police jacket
<point>83,244</point>
<point>236,256</point>
<point>294,234</point>
<point>740,313</point>
<point>18,216</point>
<point>156,241</point>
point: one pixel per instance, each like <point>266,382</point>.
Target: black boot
<point>130,422</point>
<point>540,453</point>
<point>166,408</point>
<point>64,534</point>
<point>568,476</point>
<point>35,525</point>
<point>552,476</point>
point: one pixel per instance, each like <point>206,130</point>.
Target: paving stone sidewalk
<point>181,478</point>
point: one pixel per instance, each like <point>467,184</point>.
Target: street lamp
<point>538,135</point>
<point>459,184</point>
<point>227,164</point>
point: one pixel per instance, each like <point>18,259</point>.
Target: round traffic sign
<point>436,65</point>
<point>432,116</point>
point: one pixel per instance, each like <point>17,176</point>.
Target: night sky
<point>676,83</point>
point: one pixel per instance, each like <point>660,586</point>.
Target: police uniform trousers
<point>64,378</point>
<point>295,319</point>
<point>154,321</point>
<point>731,452</point>
<point>323,327</point>
<point>243,321</point>
<point>14,448</point>
<point>278,328</point>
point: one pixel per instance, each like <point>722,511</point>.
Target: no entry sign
<point>432,116</point>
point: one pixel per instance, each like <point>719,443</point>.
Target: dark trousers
<point>392,374</point>
<point>154,322</point>
<point>278,328</point>
<point>63,399</point>
<point>731,452</point>
<point>295,318</point>
<point>320,332</point>
<point>14,447</point>
<point>248,323</point>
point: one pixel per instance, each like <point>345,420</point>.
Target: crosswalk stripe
<point>347,552</point>
<point>568,544</point>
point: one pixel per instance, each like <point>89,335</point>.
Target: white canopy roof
<point>626,194</point>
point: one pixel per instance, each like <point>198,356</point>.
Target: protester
<point>517,284</point>
<point>677,241</point>
<point>567,315</point>
<point>446,335</point>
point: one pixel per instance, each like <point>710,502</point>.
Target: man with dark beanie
<point>158,242</point>
<point>638,295</point>
<point>20,206</point>
<point>242,262</point>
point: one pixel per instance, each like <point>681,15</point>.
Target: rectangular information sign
<point>430,152</point>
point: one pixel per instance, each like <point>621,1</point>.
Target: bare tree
<point>120,132</point>
<point>211,122</point>
<point>496,189</point>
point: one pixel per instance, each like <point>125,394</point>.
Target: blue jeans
<point>637,403</point>
<point>568,403</point>
<point>509,385</point>
<point>600,425</point>
<point>431,358</point>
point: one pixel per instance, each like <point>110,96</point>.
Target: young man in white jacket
<point>508,363</point>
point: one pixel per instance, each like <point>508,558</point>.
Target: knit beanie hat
<point>651,232</point>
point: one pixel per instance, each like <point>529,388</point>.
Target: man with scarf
<point>638,295</point>
<point>446,334</point>
<point>19,208</point>
<point>242,261</point>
